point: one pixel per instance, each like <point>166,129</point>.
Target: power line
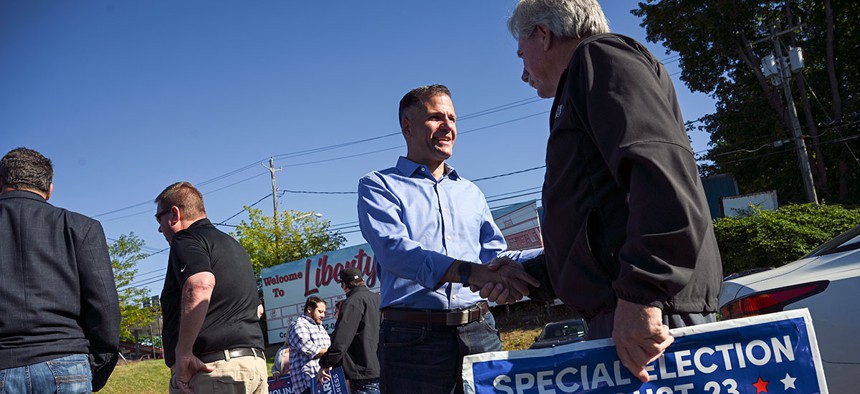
<point>223,222</point>
<point>508,174</point>
<point>511,197</point>
<point>401,145</point>
<point>324,148</point>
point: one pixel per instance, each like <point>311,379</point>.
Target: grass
<point>144,377</point>
<point>518,326</point>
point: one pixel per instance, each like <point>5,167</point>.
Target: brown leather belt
<point>236,352</point>
<point>457,317</point>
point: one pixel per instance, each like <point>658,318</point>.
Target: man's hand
<point>276,375</point>
<point>502,281</point>
<point>640,336</point>
<point>187,365</point>
<point>325,374</point>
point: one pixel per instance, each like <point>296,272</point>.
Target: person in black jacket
<point>356,335</point>
<point>59,310</point>
<point>627,232</point>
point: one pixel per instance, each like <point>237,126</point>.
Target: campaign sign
<point>335,385</point>
<point>282,385</point>
<point>775,353</point>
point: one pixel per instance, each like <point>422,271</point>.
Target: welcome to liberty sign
<point>775,353</point>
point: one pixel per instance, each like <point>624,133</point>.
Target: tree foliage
<point>134,304</point>
<point>295,235</point>
<point>774,238</point>
<point>750,134</point>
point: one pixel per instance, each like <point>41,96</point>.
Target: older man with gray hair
<point>627,232</point>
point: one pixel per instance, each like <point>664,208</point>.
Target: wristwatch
<point>465,269</point>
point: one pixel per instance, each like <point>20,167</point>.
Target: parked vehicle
<point>827,281</point>
<point>560,333</point>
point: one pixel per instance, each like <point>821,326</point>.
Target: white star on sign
<point>788,382</point>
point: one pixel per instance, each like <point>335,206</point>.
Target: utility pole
<point>272,170</point>
<point>779,69</point>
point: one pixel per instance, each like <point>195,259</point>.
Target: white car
<point>827,281</point>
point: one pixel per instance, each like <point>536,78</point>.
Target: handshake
<point>505,281</point>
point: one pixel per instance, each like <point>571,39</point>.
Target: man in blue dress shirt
<point>432,233</point>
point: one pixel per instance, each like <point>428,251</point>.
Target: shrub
<point>774,238</point>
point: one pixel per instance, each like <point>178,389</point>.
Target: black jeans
<point>428,359</point>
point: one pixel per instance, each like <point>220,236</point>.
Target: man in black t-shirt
<point>212,336</point>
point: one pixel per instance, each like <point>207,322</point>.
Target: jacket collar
<point>22,194</point>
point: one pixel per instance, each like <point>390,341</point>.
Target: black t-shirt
<point>231,320</point>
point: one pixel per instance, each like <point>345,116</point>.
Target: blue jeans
<point>428,359</point>
<point>364,387</point>
<point>64,375</point>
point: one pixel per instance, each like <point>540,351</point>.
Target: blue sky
<point>129,97</point>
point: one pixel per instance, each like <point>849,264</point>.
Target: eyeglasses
<point>160,213</point>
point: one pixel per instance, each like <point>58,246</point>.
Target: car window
<point>849,240</point>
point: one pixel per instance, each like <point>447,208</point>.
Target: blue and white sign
<point>775,353</point>
<point>335,385</point>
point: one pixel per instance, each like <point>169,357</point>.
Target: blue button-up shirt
<point>417,226</point>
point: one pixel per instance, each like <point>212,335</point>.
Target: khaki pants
<point>246,375</point>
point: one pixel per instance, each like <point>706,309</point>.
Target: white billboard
<point>287,286</point>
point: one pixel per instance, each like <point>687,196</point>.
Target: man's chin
<point>444,154</point>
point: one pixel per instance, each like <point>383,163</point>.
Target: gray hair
<point>565,18</point>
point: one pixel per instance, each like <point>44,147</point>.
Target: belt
<point>440,318</point>
<point>232,353</point>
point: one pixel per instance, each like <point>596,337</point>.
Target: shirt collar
<point>201,222</point>
<point>408,167</point>
<point>308,318</point>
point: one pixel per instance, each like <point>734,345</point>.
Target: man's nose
<point>525,76</point>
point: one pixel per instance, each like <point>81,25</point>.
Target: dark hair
<point>24,168</point>
<point>417,97</point>
<point>312,303</point>
<point>185,196</point>
<point>353,283</point>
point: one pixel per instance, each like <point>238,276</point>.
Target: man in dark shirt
<point>58,297</point>
<point>212,336</point>
<point>356,335</point>
<point>627,232</point>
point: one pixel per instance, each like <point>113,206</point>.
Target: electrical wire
<point>325,148</point>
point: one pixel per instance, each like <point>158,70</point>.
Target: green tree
<point>296,235</point>
<point>773,238</point>
<point>715,42</point>
<point>125,253</point>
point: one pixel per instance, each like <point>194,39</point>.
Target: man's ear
<point>50,191</point>
<point>175,215</point>
<point>545,35</point>
<point>405,126</point>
